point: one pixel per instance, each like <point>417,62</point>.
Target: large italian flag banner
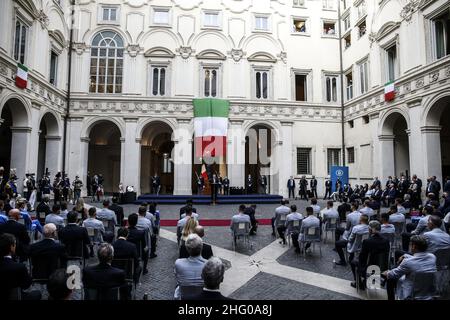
<point>22,76</point>
<point>211,127</point>
<point>389,91</point>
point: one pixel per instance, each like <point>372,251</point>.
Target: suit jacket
<point>103,275</point>
<point>71,236</point>
<point>437,239</point>
<point>328,184</point>
<point>12,275</point>
<point>124,249</point>
<point>137,237</point>
<point>118,210</point>
<point>291,184</point>
<point>374,245</point>
<point>20,232</point>
<point>209,295</point>
<point>183,210</point>
<point>447,186</point>
<point>206,251</point>
<point>313,183</point>
<point>47,255</point>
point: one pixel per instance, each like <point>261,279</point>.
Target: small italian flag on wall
<point>211,127</point>
<point>21,76</point>
<point>389,91</point>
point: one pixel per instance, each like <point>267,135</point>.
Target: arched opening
<point>438,127</point>
<point>14,136</point>
<point>49,141</point>
<point>104,154</point>
<point>259,142</point>
<point>157,157</point>
<point>395,152</point>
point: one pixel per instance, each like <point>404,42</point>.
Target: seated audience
<point>55,217</point>
<point>206,250</point>
<point>351,244</point>
<point>212,275</point>
<point>290,229</point>
<point>436,238</point>
<point>311,221</point>
<point>124,249</point>
<point>137,237</point>
<point>386,227</point>
<point>19,231</point>
<point>74,237</point>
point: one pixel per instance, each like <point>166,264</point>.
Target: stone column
<point>52,154</point>
<point>130,160</point>
<point>19,153</point>
<point>285,157</point>
<point>76,150</point>
<point>182,158</point>
<point>416,154</point>
<point>236,153</point>
<point>386,156</point>
<point>431,148</point>
<point>34,138</point>
<point>376,154</point>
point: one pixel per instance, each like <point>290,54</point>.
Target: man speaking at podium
<point>214,188</point>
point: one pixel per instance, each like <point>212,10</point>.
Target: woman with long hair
<point>79,207</point>
<point>188,228</point>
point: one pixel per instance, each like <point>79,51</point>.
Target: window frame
<point>211,66</point>
<point>351,160</point>
<point>352,86</point>
<point>309,163</point>
<point>269,22</point>
<point>102,7</point>
<point>219,19</point>
<point>159,65</point>
<point>327,35</point>
<point>327,7</point>
<point>307,32</point>
<point>367,75</point>
<point>55,81</point>
<point>268,70</point>
<point>328,164</point>
<point>155,9</point>
<point>331,75</point>
<point>299,5</point>
<point>22,51</point>
<point>309,87</point>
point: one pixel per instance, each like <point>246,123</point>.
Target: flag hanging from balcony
<point>21,76</point>
<point>389,91</point>
<point>211,127</point>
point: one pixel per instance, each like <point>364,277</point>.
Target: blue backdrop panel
<point>338,172</point>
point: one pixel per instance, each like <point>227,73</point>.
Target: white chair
<point>293,226</point>
<point>313,236</point>
<point>329,225</point>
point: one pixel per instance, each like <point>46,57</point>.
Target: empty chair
<point>240,230</point>
<point>190,291</point>
<point>424,286</point>
<point>329,225</point>
<point>443,270</point>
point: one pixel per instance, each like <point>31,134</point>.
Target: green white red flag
<point>389,91</point>
<point>211,127</point>
<point>21,76</point>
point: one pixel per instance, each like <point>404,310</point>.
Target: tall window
<point>391,55</point>
<point>331,82</point>
<point>351,155</point>
<point>304,161</point>
<point>261,23</point>
<point>364,76</point>
<point>53,67</point>
<point>20,41</point>
<point>349,85</point>
<point>442,35</point>
<point>106,63</point>
<point>109,13</point>
<point>362,28</point>
<point>333,158</point>
<point>159,75</point>
<point>347,23</point>
<point>262,84</point>
<point>361,9</point>
<point>210,82</point>
<point>300,87</point>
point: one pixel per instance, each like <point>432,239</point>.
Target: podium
<point>127,197</point>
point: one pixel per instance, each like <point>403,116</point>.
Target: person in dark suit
<point>43,206</point>
<point>206,249</point>
<point>313,186</point>
<point>303,183</point>
<point>212,275</point>
<point>19,231</point>
<point>226,186</point>
<point>189,203</point>
<point>291,187</point>
<point>138,238</point>
<point>251,211</point>
<point>447,184</point>
<point>263,183</point>
<point>47,255</point>
<point>13,274</point>
<point>73,235</point>
<point>371,247</point>
<point>118,210</point>
<point>343,209</point>
<point>124,249</point>
<point>57,286</point>
<point>249,184</point>
<point>103,275</point>
<point>156,184</point>
<point>375,183</point>
<point>327,189</point>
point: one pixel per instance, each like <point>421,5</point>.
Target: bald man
<point>206,250</point>
<point>48,254</point>
<point>12,226</point>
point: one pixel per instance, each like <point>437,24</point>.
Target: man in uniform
<point>249,184</point>
<point>156,184</point>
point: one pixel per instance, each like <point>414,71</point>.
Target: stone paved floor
<point>268,270</point>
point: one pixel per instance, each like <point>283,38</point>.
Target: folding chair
<point>241,229</point>
<point>329,225</point>
<point>391,238</point>
<point>293,226</point>
<point>128,266</point>
<point>312,235</point>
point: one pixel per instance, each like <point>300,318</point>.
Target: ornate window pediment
<point>159,52</point>
<point>58,37</point>
<point>386,29</point>
<point>211,54</point>
<point>262,57</point>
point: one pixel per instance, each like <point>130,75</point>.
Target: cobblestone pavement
<point>266,270</point>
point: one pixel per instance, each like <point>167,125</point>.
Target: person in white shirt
<point>386,227</point>
<point>281,210</point>
<point>54,217</point>
<point>394,216</point>
<point>315,206</point>
<point>106,214</point>
<point>310,221</point>
<point>294,218</point>
<point>329,212</point>
<point>351,243</point>
<point>368,211</point>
